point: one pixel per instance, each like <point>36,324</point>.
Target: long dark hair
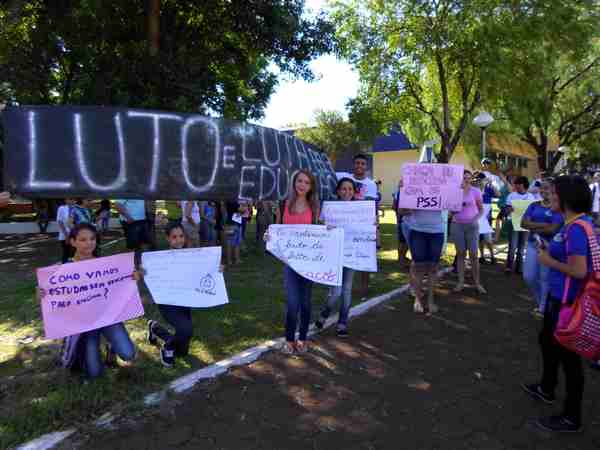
<point>312,197</point>
<point>82,226</point>
<point>573,193</point>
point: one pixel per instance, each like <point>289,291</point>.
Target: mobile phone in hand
<point>539,242</point>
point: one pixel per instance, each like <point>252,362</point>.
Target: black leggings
<point>554,355</point>
<point>180,317</point>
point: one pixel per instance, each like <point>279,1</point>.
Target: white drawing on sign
<point>281,194</point>
<point>243,183</point>
<point>245,157</point>
<point>264,169</point>
<point>287,146</point>
<point>33,161</point>
<point>184,153</point>
<point>157,141</point>
<point>228,157</point>
<point>121,179</point>
<point>265,151</point>
<point>302,155</point>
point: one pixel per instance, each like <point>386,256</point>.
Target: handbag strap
<point>592,245</point>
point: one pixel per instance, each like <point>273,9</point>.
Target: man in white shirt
<point>366,189</point>
<point>63,215</point>
<point>595,188</point>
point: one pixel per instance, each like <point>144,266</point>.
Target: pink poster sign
<point>433,187</point>
<point>88,295</point>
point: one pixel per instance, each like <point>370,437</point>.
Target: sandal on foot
<point>481,289</point>
<point>301,346</point>
<point>287,348</point>
<point>418,307</point>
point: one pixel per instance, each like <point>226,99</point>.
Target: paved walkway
<point>401,381</point>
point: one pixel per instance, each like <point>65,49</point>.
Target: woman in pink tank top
<point>300,208</point>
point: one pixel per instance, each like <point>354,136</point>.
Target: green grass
<point>36,397</point>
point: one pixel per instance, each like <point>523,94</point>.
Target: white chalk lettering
<point>121,178</point>
<point>282,174</point>
<point>184,153</point>
<point>228,157</point>
<point>157,141</point>
<point>266,170</point>
<point>265,149</point>
<point>33,160</point>
<point>302,155</point>
<point>242,194</point>
<point>247,159</point>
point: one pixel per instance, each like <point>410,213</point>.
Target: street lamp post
<point>483,120</point>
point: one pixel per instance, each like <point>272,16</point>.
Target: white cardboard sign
<point>186,277</point>
<point>313,251</point>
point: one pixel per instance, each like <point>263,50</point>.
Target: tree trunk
<point>154,27</point>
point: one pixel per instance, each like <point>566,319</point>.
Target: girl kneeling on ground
<point>345,192</point>
<point>83,350</point>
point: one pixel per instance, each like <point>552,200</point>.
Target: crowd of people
<point>550,249</point>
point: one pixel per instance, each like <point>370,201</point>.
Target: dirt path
<point>400,381</point>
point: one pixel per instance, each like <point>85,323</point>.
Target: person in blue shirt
<point>569,261</point>
<point>542,223</point>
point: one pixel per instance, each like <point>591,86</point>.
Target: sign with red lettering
<point>313,251</point>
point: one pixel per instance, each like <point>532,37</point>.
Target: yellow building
<point>390,152</point>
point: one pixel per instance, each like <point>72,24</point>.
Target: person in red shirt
<point>301,207</point>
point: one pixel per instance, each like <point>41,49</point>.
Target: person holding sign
<point>426,241</point>
<point>190,220</point>
<point>518,236</point>
<point>300,208</point>
<point>84,348</point>
<point>465,232</point>
<point>345,192</point>
<point>542,224</point>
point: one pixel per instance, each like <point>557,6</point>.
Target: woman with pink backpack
<point>569,259</point>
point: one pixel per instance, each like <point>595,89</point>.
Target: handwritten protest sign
<point>88,295</point>
<point>313,251</point>
<point>360,238</point>
<point>484,224</point>
<point>186,277</point>
<point>519,208</point>
<point>432,187</point>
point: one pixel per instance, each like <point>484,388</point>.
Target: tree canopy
<point>431,65</point>
<point>204,56</point>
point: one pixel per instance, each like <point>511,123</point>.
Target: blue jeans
<point>536,276</point>
<point>180,317</point>
<point>298,291</point>
<point>516,245</point>
<point>335,292</point>
<point>120,343</point>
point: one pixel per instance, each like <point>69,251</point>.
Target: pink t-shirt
<point>470,210</point>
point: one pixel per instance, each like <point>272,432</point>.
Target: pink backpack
<point>578,327</point>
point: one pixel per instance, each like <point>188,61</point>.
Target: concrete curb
<point>186,382</point>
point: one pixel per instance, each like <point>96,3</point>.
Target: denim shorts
<point>425,247</point>
<point>233,235</point>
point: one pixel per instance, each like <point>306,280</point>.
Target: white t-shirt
<point>195,212</point>
<point>62,215</point>
<point>366,189</point>
<point>595,188</point>
<point>516,196</point>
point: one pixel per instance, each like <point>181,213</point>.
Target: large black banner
<point>54,151</point>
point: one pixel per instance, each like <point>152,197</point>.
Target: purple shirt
<point>470,210</point>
